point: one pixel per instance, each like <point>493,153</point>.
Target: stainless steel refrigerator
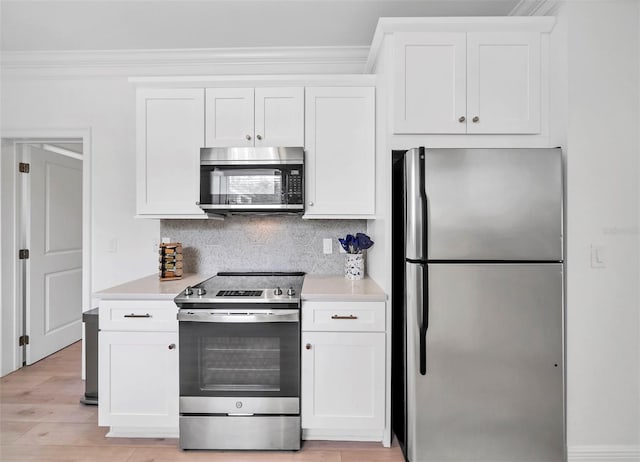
<point>477,354</point>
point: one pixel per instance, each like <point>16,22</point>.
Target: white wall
<point>600,60</point>
<point>107,108</point>
<point>100,25</point>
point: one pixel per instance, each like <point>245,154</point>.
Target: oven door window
<point>236,359</point>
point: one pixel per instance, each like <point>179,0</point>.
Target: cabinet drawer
<point>138,315</point>
<point>343,316</point>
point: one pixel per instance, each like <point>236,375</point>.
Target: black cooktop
<point>244,287</point>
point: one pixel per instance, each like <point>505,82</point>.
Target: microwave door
<point>245,188</point>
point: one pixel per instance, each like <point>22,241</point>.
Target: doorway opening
<point>44,246</point>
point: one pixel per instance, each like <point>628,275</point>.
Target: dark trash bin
<point>90,319</point>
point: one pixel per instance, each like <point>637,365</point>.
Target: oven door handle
<point>239,317</point>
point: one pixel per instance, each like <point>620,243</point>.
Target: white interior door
<point>54,278</point>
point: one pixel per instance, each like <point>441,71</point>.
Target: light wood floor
<point>42,420</point>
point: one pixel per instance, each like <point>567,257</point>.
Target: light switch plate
<point>327,246</point>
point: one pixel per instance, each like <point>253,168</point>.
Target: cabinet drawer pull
<point>172,346</point>
<point>462,119</point>
<point>132,315</point>
<point>476,119</point>
<point>308,346</point>
<point>336,316</point>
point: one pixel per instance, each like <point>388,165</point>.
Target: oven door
<point>233,353</point>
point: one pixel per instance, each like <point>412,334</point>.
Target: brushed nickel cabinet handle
<point>248,137</point>
<point>259,137</point>
<point>476,119</point>
<point>308,346</point>
<point>336,316</point>
<point>462,119</point>
<point>132,315</point>
<point>172,346</point>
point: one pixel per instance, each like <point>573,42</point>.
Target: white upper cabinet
<point>340,152</point>
<point>475,82</point>
<point>254,117</point>
<point>503,82</point>
<point>169,135</point>
<point>430,82</point>
<point>279,116</point>
<point>229,117</point>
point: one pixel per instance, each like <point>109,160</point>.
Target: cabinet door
<point>170,133</point>
<point>340,151</point>
<point>503,82</point>
<point>279,116</point>
<point>343,380</point>
<point>138,379</point>
<point>229,117</point>
<point>430,75</point>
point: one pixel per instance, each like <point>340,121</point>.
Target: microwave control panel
<point>294,186</point>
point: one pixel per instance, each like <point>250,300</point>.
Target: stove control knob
<point>291,292</point>
<point>201,291</point>
<point>277,291</point>
<point>188,290</point>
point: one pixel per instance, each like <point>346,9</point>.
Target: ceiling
<point>28,25</point>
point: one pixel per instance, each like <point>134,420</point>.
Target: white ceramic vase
<point>354,266</point>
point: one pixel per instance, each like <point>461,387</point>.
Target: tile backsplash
<point>260,243</point>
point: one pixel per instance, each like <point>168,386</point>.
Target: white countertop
<point>338,288</point>
<point>150,287</point>
<point>315,287</point>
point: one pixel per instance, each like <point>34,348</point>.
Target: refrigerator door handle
<point>423,315</point>
<point>415,206</point>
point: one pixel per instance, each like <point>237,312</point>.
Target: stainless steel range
<point>239,339</point>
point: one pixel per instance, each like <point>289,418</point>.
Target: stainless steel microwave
<point>252,180</point>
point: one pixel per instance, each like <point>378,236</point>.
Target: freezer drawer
<point>494,204</point>
<point>493,387</point>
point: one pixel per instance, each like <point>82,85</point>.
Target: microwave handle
<point>284,194</point>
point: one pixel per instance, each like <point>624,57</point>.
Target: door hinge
<point>24,167</point>
<point>23,254</point>
<point>23,340</point>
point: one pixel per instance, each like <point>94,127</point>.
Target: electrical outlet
<point>112,245</point>
<point>327,246</point>
<point>598,259</point>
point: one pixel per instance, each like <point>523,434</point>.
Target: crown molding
<point>117,63</point>
<point>535,8</point>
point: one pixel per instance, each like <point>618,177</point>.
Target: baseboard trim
<point>342,435</point>
<point>143,432</point>
<point>603,453</point>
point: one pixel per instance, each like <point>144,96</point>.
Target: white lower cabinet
<point>138,385</point>
<point>343,375</point>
